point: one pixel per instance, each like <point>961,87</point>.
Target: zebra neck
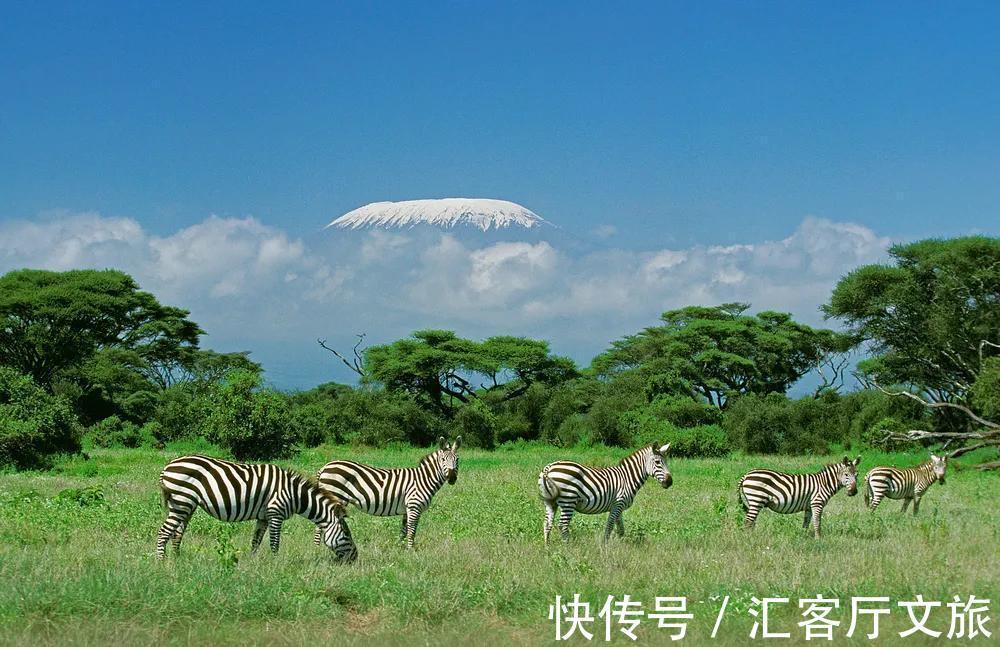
<point>829,477</point>
<point>433,475</point>
<point>633,471</point>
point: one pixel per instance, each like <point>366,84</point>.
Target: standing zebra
<point>906,484</point>
<point>239,492</point>
<point>391,492</point>
<point>788,493</point>
<point>572,487</point>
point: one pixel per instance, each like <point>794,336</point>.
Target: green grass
<point>74,573</point>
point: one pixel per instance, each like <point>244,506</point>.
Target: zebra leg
<point>178,536</point>
<point>753,509</point>
<point>808,518</point>
<point>916,505</point>
<point>274,522</point>
<point>550,515</point>
<point>906,504</point>
<point>621,524</point>
<point>875,500</point>
<point>613,518</point>
<point>402,528</point>
<point>176,522</point>
<point>258,535</point>
<point>817,514</point>
<point>412,518</point>
<point>566,509</point>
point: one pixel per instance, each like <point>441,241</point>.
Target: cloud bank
<point>252,286</point>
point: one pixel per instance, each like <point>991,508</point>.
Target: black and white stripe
<point>571,487</point>
<point>789,493</point>
<point>392,492</point>
<point>906,484</point>
<point>239,492</point>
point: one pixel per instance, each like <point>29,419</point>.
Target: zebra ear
<point>857,461</point>
<point>847,461</point>
<point>663,450</point>
<point>441,442</point>
<point>457,443</point>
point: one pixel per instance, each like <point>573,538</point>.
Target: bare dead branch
<point>941,405</point>
<point>356,363</point>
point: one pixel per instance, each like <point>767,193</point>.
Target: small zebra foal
<point>572,487</point>
<point>239,492</point>
<point>392,492</point>
<point>790,493</point>
<point>906,484</point>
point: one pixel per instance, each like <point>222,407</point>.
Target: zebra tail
<point>741,497</point>
<point>546,488</point>
<point>868,491</point>
<point>164,497</point>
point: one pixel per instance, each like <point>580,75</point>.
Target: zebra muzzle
<point>667,481</point>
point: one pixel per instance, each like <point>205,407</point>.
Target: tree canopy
<point>930,318</point>
<point>718,352</point>
<point>442,370</point>
<point>54,321</point>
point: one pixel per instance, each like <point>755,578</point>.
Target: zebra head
<point>656,465</point>
<point>335,534</point>
<point>847,474</point>
<point>938,465</point>
<point>447,459</point>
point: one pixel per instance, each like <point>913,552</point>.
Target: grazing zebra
<point>788,493</point>
<point>238,492</point>
<point>391,492</point>
<point>906,484</point>
<point>572,487</point>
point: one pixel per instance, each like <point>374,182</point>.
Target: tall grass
<point>77,566</point>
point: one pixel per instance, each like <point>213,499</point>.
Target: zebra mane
<point>641,450</point>
<point>428,458</point>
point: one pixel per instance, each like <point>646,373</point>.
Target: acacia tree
<point>51,322</point>
<point>715,353</point>
<point>443,371</point>
<point>929,319</point>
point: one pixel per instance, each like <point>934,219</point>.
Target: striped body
<point>790,493</point>
<point>907,484</point>
<point>571,487</point>
<point>266,494</point>
<point>393,492</point>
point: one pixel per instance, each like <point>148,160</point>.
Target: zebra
<point>789,493</point>
<point>572,487</point>
<point>906,484</point>
<point>239,492</point>
<point>393,492</point>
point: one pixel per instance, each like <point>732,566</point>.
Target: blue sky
<point>684,126</point>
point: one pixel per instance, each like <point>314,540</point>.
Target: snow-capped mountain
<point>482,213</point>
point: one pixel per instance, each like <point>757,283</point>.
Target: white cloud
<point>247,281</point>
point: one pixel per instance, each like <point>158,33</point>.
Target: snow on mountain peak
<point>482,213</point>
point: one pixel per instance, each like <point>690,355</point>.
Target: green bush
<point>477,425</point>
<point>181,411</point>
<point>759,424</point>
<point>644,426</point>
<point>249,421</point>
<point>867,407</point>
<point>703,441</point>
<point>986,389</point>
<point>312,424</point>
<point>34,425</point>
<point>566,401</point>
<point>377,418</point>
<point>876,436</point>
<point>115,432</point>
<point>683,411</point>
<point>574,430</point>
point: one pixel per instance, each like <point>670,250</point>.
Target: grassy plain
<point>79,569</point>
